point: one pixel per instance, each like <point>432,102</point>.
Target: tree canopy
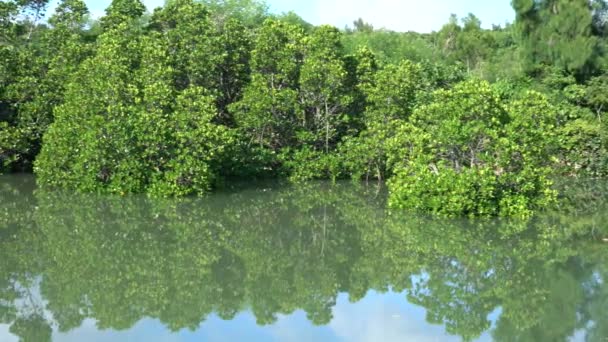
<point>462,121</point>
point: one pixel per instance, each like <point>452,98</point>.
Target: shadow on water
<point>273,248</point>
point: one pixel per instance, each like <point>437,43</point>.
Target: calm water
<point>313,262</point>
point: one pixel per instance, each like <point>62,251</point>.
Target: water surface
<point>278,262</point>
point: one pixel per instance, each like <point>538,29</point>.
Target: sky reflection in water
<point>315,262</point>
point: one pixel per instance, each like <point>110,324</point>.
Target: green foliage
<point>81,257</point>
<point>269,111</point>
<point>205,90</point>
<point>391,96</point>
<point>233,69</point>
<point>392,47</point>
<point>122,11</point>
<point>294,19</point>
<point>468,44</point>
<point>583,148</point>
<point>70,14</point>
<point>32,329</point>
<point>596,95</point>
<point>469,154</point>
<point>219,63</point>
<point>83,143</point>
<point>395,91</point>
<point>306,163</point>
<point>323,88</point>
<point>35,76</point>
<point>198,147</point>
<point>13,145</point>
<point>559,32</point>
<point>249,12</point>
<point>133,136</point>
<point>295,105</point>
<point>366,155</point>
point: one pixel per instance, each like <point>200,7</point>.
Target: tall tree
<point>122,11</point>
<point>70,14</point>
<point>41,71</point>
<point>323,87</point>
<point>563,33</point>
<point>472,44</point>
<point>33,12</point>
<point>448,36</point>
<point>211,55</point>
<point>8,12</point>
<point>149,128</point>
<point>362,26</point>
<point>269,110</point>
<point>250,12</point>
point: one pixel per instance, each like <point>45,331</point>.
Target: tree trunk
<point>326,128</point>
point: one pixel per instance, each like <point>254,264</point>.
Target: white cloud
<point>5,335</point>
<point>385,318</point>
<point>399,15</point>
<point>152,4</point>
<point>145,330</point>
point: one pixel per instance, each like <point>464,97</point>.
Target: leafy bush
<point>391,96</point>
<point>307,164</point>
<point>13,144</point>
<point>139,132</point>
<point>467,153</point>
<point>583,149</point>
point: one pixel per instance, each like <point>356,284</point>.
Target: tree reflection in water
<point>278,248</point>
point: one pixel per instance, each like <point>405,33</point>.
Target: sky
<point>397,15</point>
<point>384,317</point>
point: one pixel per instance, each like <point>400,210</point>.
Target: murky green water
<point>314,262</point>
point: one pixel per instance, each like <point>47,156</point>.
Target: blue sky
<point>399,15</point>
<point>378,317</point>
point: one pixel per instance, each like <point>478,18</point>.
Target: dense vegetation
<point>463,121</point>
<point>77,257</point>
